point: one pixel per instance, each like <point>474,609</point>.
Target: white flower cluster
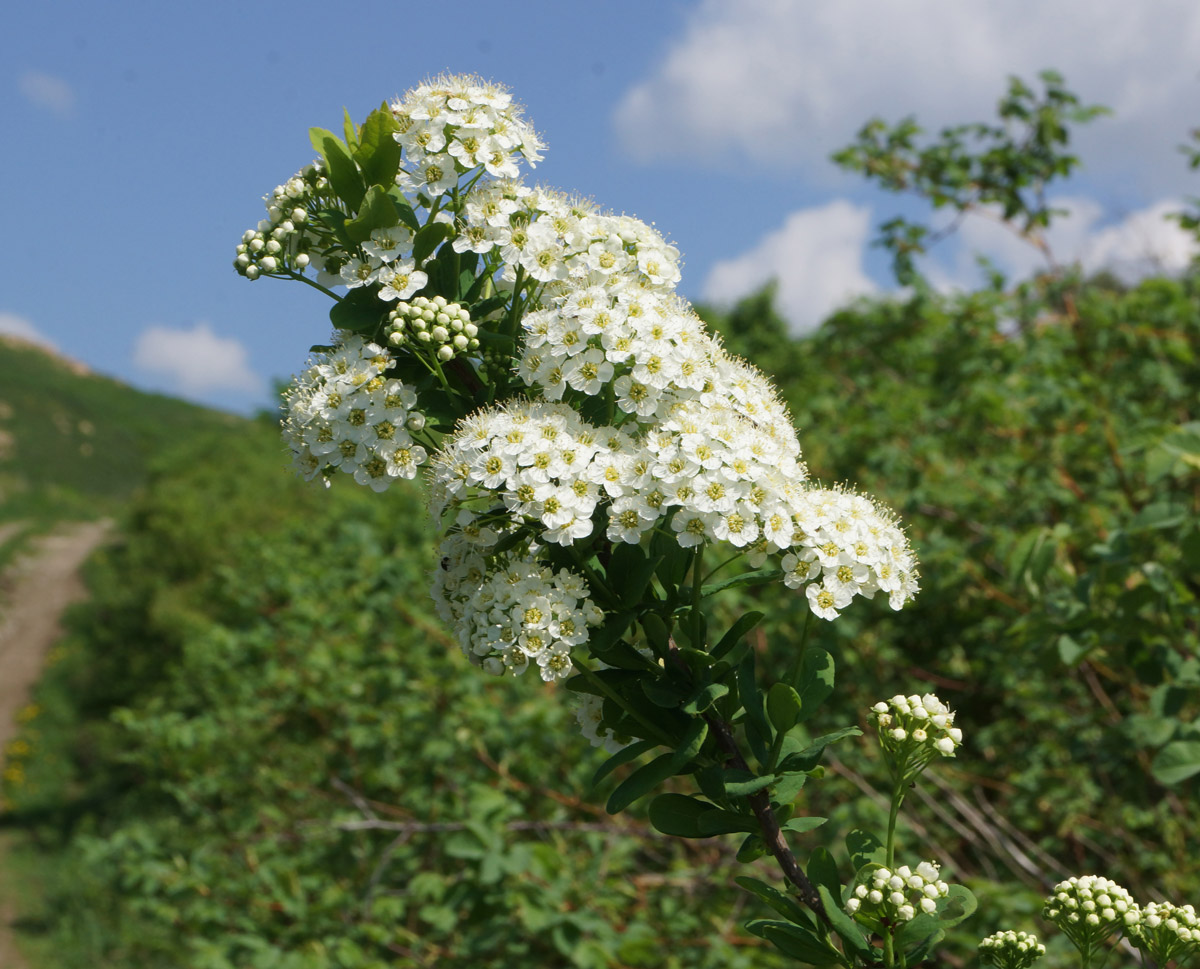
<point>920,725</point>
<point>1011,950</point>
<point>509,610</point>
<point>565,242</point>
<point>1089,908</point>
<point>433,324</point>
<point>455,124</point>
<point>282,241</point>
<point>898,895</point>
<point>344,414</point>
<point>1166,933</point>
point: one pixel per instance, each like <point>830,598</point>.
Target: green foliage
<point>260,749</point>
<point>1004,166</point>
<point>76,445</point>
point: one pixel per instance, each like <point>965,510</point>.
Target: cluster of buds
<point>280,241</point>
<point>1089,909</point>
<point>1011,950</point>
<point>1166,933</point>
<point>444,328</point>
<point>913,729</point>
<point>897,895</point>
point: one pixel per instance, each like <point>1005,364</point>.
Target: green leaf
<point>757,577</point>
<point>349,129</point>
<point>359,311</point>
<point>344,176</point>
<point>744,624</point>
<point>376,212</point>
<point>751,849</point>
<point>623,756</point>
<point>378,153</point>
<point>822,870</point>
<point>784,904</point>
<point>647,777</point>
<point>803,825</point>
<point>806,759</point>
<point>783,707</point>
<point>864,849</point>
<point>758,732</point>
<point>846,928</point>
<point>1177,762</point>
<point>629,572</point>
<point>797,942</point>
<point>719,821</point>
<point>705,698</point>
<point>958,905</point>
<point>742,783</point>
<point>1070,651</point>
<point>428,238</point>
<point>918,935</point>
<point>678,815</point>
<point>816,680</point>
<point>658,635</point>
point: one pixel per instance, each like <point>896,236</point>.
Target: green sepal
<point>376,212</point>
<point>733,637</point>
<point>782,903</point>
<point>796,941</point>
<point>783,707</point>
<point>816,680</point>
<point>623,756</point>
<point>847,929</point>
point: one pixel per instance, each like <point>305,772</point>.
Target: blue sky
<point>140,138</point>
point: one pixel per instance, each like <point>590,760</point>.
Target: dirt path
<point>33,594</point>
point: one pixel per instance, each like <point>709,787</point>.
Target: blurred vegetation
<point>74,444</point>
<point>257,748</point>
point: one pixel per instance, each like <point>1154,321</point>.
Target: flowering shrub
<point>591,449</point>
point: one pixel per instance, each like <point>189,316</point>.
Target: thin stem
<point>697,616</point>
<point>794,672</point>
<point>290,274</point>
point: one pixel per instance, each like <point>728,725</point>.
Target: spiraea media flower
<point>283,241</point>
<point>345,414</point>
<point>1011,950</point>
<point>1089,909</point>
<point>897,895</point>
<point>435,326</point>
<point>1166,933</point>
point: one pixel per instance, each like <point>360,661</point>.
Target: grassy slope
<point>75,444</point>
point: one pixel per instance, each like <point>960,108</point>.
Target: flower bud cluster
<point>509,610</point>
<point>898,895</point>
<point>443,328</point>
<point>1011,950</point>
<point>344,414</point>
<point>282,241</point>
<point>915,728</point>
<point>1090,908</point>
<point>1166,933</point>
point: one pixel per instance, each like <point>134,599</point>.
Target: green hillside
<point>74,444</point>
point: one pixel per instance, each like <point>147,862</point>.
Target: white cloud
<point>18,326</point>
<point>816,258</point>
<point>48,91</point>
<point>784,83</point>
<point>196,361</point>
<point>1143,243</point>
